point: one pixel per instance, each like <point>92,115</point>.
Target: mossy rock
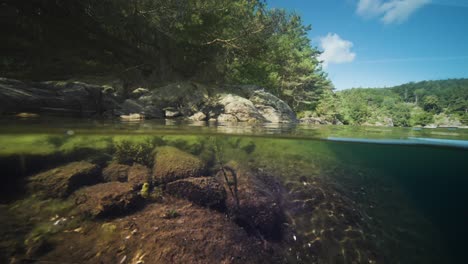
<point>115,172</point>
<point>138,175</point>
<point>171,164</point>
<point>204,191</point>
<point>62,181</point>
<point>108,199</point>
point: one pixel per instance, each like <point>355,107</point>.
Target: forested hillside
<point>150,42</point>
<point>441,103</point>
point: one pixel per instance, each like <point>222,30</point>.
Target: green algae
<point>135,149</point>
<point>75,144</point>
<point>191,144</point>
<point>144,192</point>
<point>30,144</point>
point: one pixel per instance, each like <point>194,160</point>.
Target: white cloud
<point>391,11</point>
<point>335,50</point>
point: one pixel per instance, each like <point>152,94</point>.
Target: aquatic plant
<point>191,144</point>
<point>171,213</point>
<point>129,150</point>
<point>80,144</point>
<point>231,184</point>
<point>26,144</point>
<point>156,194</point>
<point>144,192</point>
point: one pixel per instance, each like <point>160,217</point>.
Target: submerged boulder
<point>115,172</point>
<point>138,175</point>
<point>204,191</point>
<point>171,164</point>
<point>62,181</point>
<point>256,205</point>
<point>107,199</point>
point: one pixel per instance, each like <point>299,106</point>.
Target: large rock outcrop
<point>186,100</point>
<point>71,98</point>
<point>272,108</point>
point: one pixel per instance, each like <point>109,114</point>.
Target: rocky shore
<point>183,100</point>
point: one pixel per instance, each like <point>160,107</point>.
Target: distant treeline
<point>148,42</point>
<point>443,102</point>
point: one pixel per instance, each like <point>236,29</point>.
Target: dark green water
<point>410,191</point>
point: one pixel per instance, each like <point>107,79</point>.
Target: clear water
<point>407,187</point>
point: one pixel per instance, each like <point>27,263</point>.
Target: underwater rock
<point>138,175</point>
<point>172,164</point>
<point>115,172</point>
<point>107,199</point>
<point>204,191</point>
<point>258,208</point>
<point>62,181</point>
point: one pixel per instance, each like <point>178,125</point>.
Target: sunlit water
<point>408,185</point>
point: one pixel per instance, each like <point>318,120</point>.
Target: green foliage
<point>135,149</point>
<point>420,118</point>
<point>154,41</point>
<point>412,104</point>
<point>431,104</point>
<point>329,107</point>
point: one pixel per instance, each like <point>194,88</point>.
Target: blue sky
<point>378,43</point>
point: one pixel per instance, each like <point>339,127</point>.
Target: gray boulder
<point>186,97</point>
<point>272,108</point>
<point>74,98</point>
<point>199,116</point>
<point>240,108</point>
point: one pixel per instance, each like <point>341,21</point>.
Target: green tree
<point>431,104</point>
